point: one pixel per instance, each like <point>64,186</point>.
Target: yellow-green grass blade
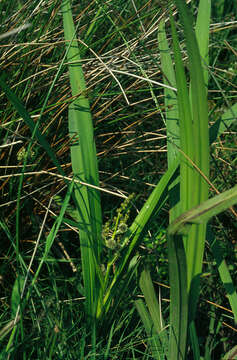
<point>197,188</point>
<point>185,121</point>
<point>196,123</point>
<point>171,115</point>
<point>202,35</point>
<point>53,233</point>
<point>194,145</point>
<point>84,164</point>
<point>8,327</point>
<point>153,337</point>
<point>16,295</point>
<point>194,341</point>
<point>177,263</point>
<point>178,298</point>
<point>80,122</point>
<point>91,30</point>
<point>232,354</point>
<point>171,109</point>
<point>177,260</point>
<point>87,243</point>
<point>148,291</point>
<point>153,204</point>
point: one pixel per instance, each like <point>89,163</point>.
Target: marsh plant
<point>110,263</point>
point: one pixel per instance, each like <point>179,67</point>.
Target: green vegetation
<point>118,168</point>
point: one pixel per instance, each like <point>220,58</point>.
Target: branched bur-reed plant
<point>188,142</point>
<point>104,283</point>
<point>188,136</point>
<point>103,286</point>
<point>99,287</point>
<point>108,253</point>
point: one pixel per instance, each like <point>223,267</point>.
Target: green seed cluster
<point>22,153</point>
<point>114,229</point>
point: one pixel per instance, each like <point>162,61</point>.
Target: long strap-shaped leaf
<point>154,309</point>
<point>172,116</point>
<point>177,259</point>
<point>193,117</point>
<point>171,106</point>
<point>194,139</point>
<point>178,262</point>
<point>203,212</point>
<point>84,164</point>
<point>153,338</point>
<point>202,34</point>
<point>197,47</point>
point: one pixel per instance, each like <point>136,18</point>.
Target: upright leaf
<point>84,164</point>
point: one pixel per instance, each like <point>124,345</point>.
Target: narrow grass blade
<point>54,231</point>
<point>202,35</point>
<point>194,341</point>
<point>221,125</point>
<point>176,255</point>
<point>118,291</point>
<point>171,106</point>
<point>106,354</point>
<point>171,115</point>
<point>89,248</point>
<point>8,327</point>
<point>185,119</point>
<point>33,127</point>
<point>148,291</point>
<point>224,273</point>
<point>153,337</point>
<point>232,354</point>
<point>178,298</point>
<point>16,294</point>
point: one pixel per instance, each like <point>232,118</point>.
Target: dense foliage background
<point>120,54</point>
